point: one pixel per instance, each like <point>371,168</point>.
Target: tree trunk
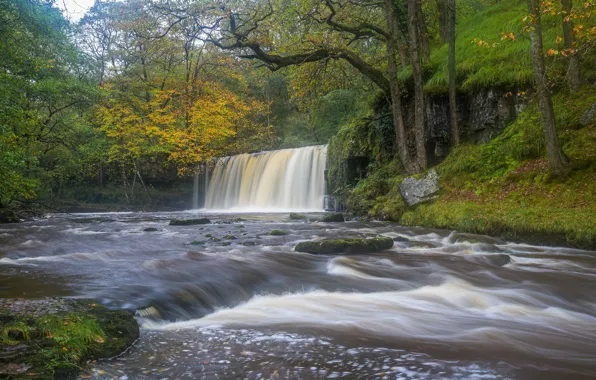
<point>443,20</point>
<point>422,32</point>
<point>142,182</point>
<point>396,107</point>
<point>450,6</point>
<point>557,161</point>
<point>573,75</point>
<point>419,129</point>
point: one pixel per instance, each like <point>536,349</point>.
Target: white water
<point>281,179</point>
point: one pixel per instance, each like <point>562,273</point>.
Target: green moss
<point>277,233</point>
<point>150,229</point>
<point>345,246</point>
<point>296,216</point>
<point>229,237</point>
<point>57,345</point>
<point>503,187</point>
<point>484,61</point>
<point>333,218</point>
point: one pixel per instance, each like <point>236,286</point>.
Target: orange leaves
<point>552,52</point>
<point>508,36</point>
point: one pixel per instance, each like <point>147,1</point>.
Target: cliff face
<point>482,116</point>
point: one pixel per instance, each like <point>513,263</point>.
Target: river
<point>242,304</point>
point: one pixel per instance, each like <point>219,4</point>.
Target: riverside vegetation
<point>122,112</point>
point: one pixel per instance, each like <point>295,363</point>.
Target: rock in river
<point>8,216</point>
<point>336,217</point>
<point>415,191</point>
<point>188,222</point>
<point>345,246</point>
<point>52,338</point>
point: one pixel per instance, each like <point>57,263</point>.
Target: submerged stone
<point>150,229</point>
<point>415,191</point>
<point>188,222</point>
<point>345,246</point>
<point>296,216</point>
<point>335,217</point>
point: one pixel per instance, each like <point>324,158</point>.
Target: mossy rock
<point>296,216</point>
<point>333,218</point>
<point>345,246</point>
<point>53,338</point>
<point>150,229</point>
<point>229,237</point>
<point>401,238</point>
<point>8,216</point>
<point>189,222</point>
<point>197,242</point>
<point>226,243</point>
<point>277,233</point>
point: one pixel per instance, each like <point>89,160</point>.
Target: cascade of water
<point>280,179</point>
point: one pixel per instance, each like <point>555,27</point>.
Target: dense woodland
<point>137,93</point>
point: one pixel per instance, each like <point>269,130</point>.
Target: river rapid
<point>241,304</point>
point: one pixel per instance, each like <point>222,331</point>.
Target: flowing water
<point>437,306</point>
<point>280,179</point>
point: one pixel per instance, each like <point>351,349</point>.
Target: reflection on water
<point>238,303</point>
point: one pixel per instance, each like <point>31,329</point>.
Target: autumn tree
<point>557,161</point>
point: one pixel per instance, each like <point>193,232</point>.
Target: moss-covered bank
<point>503,187</point>
<point>53,338</point>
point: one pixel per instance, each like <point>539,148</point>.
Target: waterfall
<point>280,179</point>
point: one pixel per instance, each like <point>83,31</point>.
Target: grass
<point>503,187</point>
<point>484,61</point>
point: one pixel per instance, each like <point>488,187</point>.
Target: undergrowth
<point>504,186</point>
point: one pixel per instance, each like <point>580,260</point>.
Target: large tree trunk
<point>396,107</point>
<point>557,161</point>
<point>419,125</point>
<point>450,6</point>
<point>443,20</point>
<point>423,34</point>
<point>573,75</point>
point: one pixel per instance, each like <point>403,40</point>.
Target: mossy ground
<point>56,343</point>
<point>504,187</point>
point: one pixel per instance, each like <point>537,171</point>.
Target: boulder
<point>345,246</point>
<point>53,338</point>
<point>296,216</point>
<point>188,222</point>
<point>333,218</point>
<point>415,191</point>
<point>277,233</point>
<point>588,116</point>
<point>8,216</point>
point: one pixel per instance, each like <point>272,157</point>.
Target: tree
<point>450,7</point>
<point>557,161</point>
<point>332,30</point>
<point>414,40</point>
<point>573,73</point>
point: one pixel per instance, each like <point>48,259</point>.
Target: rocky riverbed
<point>231,299</point>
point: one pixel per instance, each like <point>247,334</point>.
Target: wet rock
<point>415,191</point>
<point>188,222</point>
<point>250,243</point>
<point>150,229</point>
<point>499,260</point>
<point>229,237</point>
<point>296,216</point>
<point>52,338</point>
<point>401,238</point>
<point>333,218</point>
<point>8,216</point>
<point>226,243</point>
<point>277,233</point>
<point>197,242</point>
<point>588,116</point>
<point>345,246</point>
